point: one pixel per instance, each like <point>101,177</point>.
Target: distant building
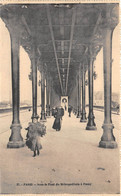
<point>99,98</point>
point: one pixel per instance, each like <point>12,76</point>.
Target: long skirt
<point>57,124</point>
<point>34,143</point>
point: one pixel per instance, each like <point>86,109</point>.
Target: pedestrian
<point>69,110</point>
<point>35,131</point>
<point>118,108</point>
<point>58,118</point>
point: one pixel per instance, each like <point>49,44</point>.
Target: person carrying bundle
<point>35,131</point>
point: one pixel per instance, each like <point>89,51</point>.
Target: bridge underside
<point>62,41</point>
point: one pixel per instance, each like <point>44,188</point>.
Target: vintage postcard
<point>60,97</point>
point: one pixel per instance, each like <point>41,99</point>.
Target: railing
<point>4,110</point>
<point>101,108</point>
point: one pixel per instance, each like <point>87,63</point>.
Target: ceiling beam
<point>66,25</point>
<point>51,62</point>
<point>53,41</point>
<point>96,25</point>
<point>61,20</point>
<point>58,51</point>
<point>70,47</point>
<point>26,25</point>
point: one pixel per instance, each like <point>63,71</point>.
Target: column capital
<point>110,16</point>
<point>93,50</point>
<point>33,52</point>
<point>12,20</point>
<point>30,76</point>
<point>84,67</point>
<point>43,68</point>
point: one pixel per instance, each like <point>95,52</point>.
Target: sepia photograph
<point>60,97</point>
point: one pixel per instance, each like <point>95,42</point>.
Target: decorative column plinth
<point>15,140</point>
<point>79,114</point>
<point>108,139</point>
<point>83,118</point>
<point>91,128</point>
<point>48,116</point>
<point>47,111</point>
<point>16,144</point>
<point>91,124</point>
<point>50,112</point>
<point>108,144</point>
<point>43,117</point>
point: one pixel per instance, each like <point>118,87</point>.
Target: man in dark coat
<point>69,110</point>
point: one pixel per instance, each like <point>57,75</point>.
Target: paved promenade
<point>70,161</point>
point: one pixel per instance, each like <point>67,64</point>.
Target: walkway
<point>70,161</point>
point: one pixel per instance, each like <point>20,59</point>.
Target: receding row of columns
<point>107,139</point>
<point>81,112</point>
<point>16,140</point>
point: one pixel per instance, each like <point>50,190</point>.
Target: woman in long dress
<point>58,117</point>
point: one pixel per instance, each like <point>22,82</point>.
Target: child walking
<point>35,131</point>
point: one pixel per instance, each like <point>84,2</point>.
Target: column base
<point>91,127</point>
<point>108,139</point>
<point>15,144</point>
<point>48,116</point>
<point>47,113</point>
<point>91,124</point>
<point>15,140</point>
<point>83,120</point>
<point>43,120</point>
<point>83,117</point>
<point>43,117</point>
<point>108,144</point>
<point>78,116</point>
